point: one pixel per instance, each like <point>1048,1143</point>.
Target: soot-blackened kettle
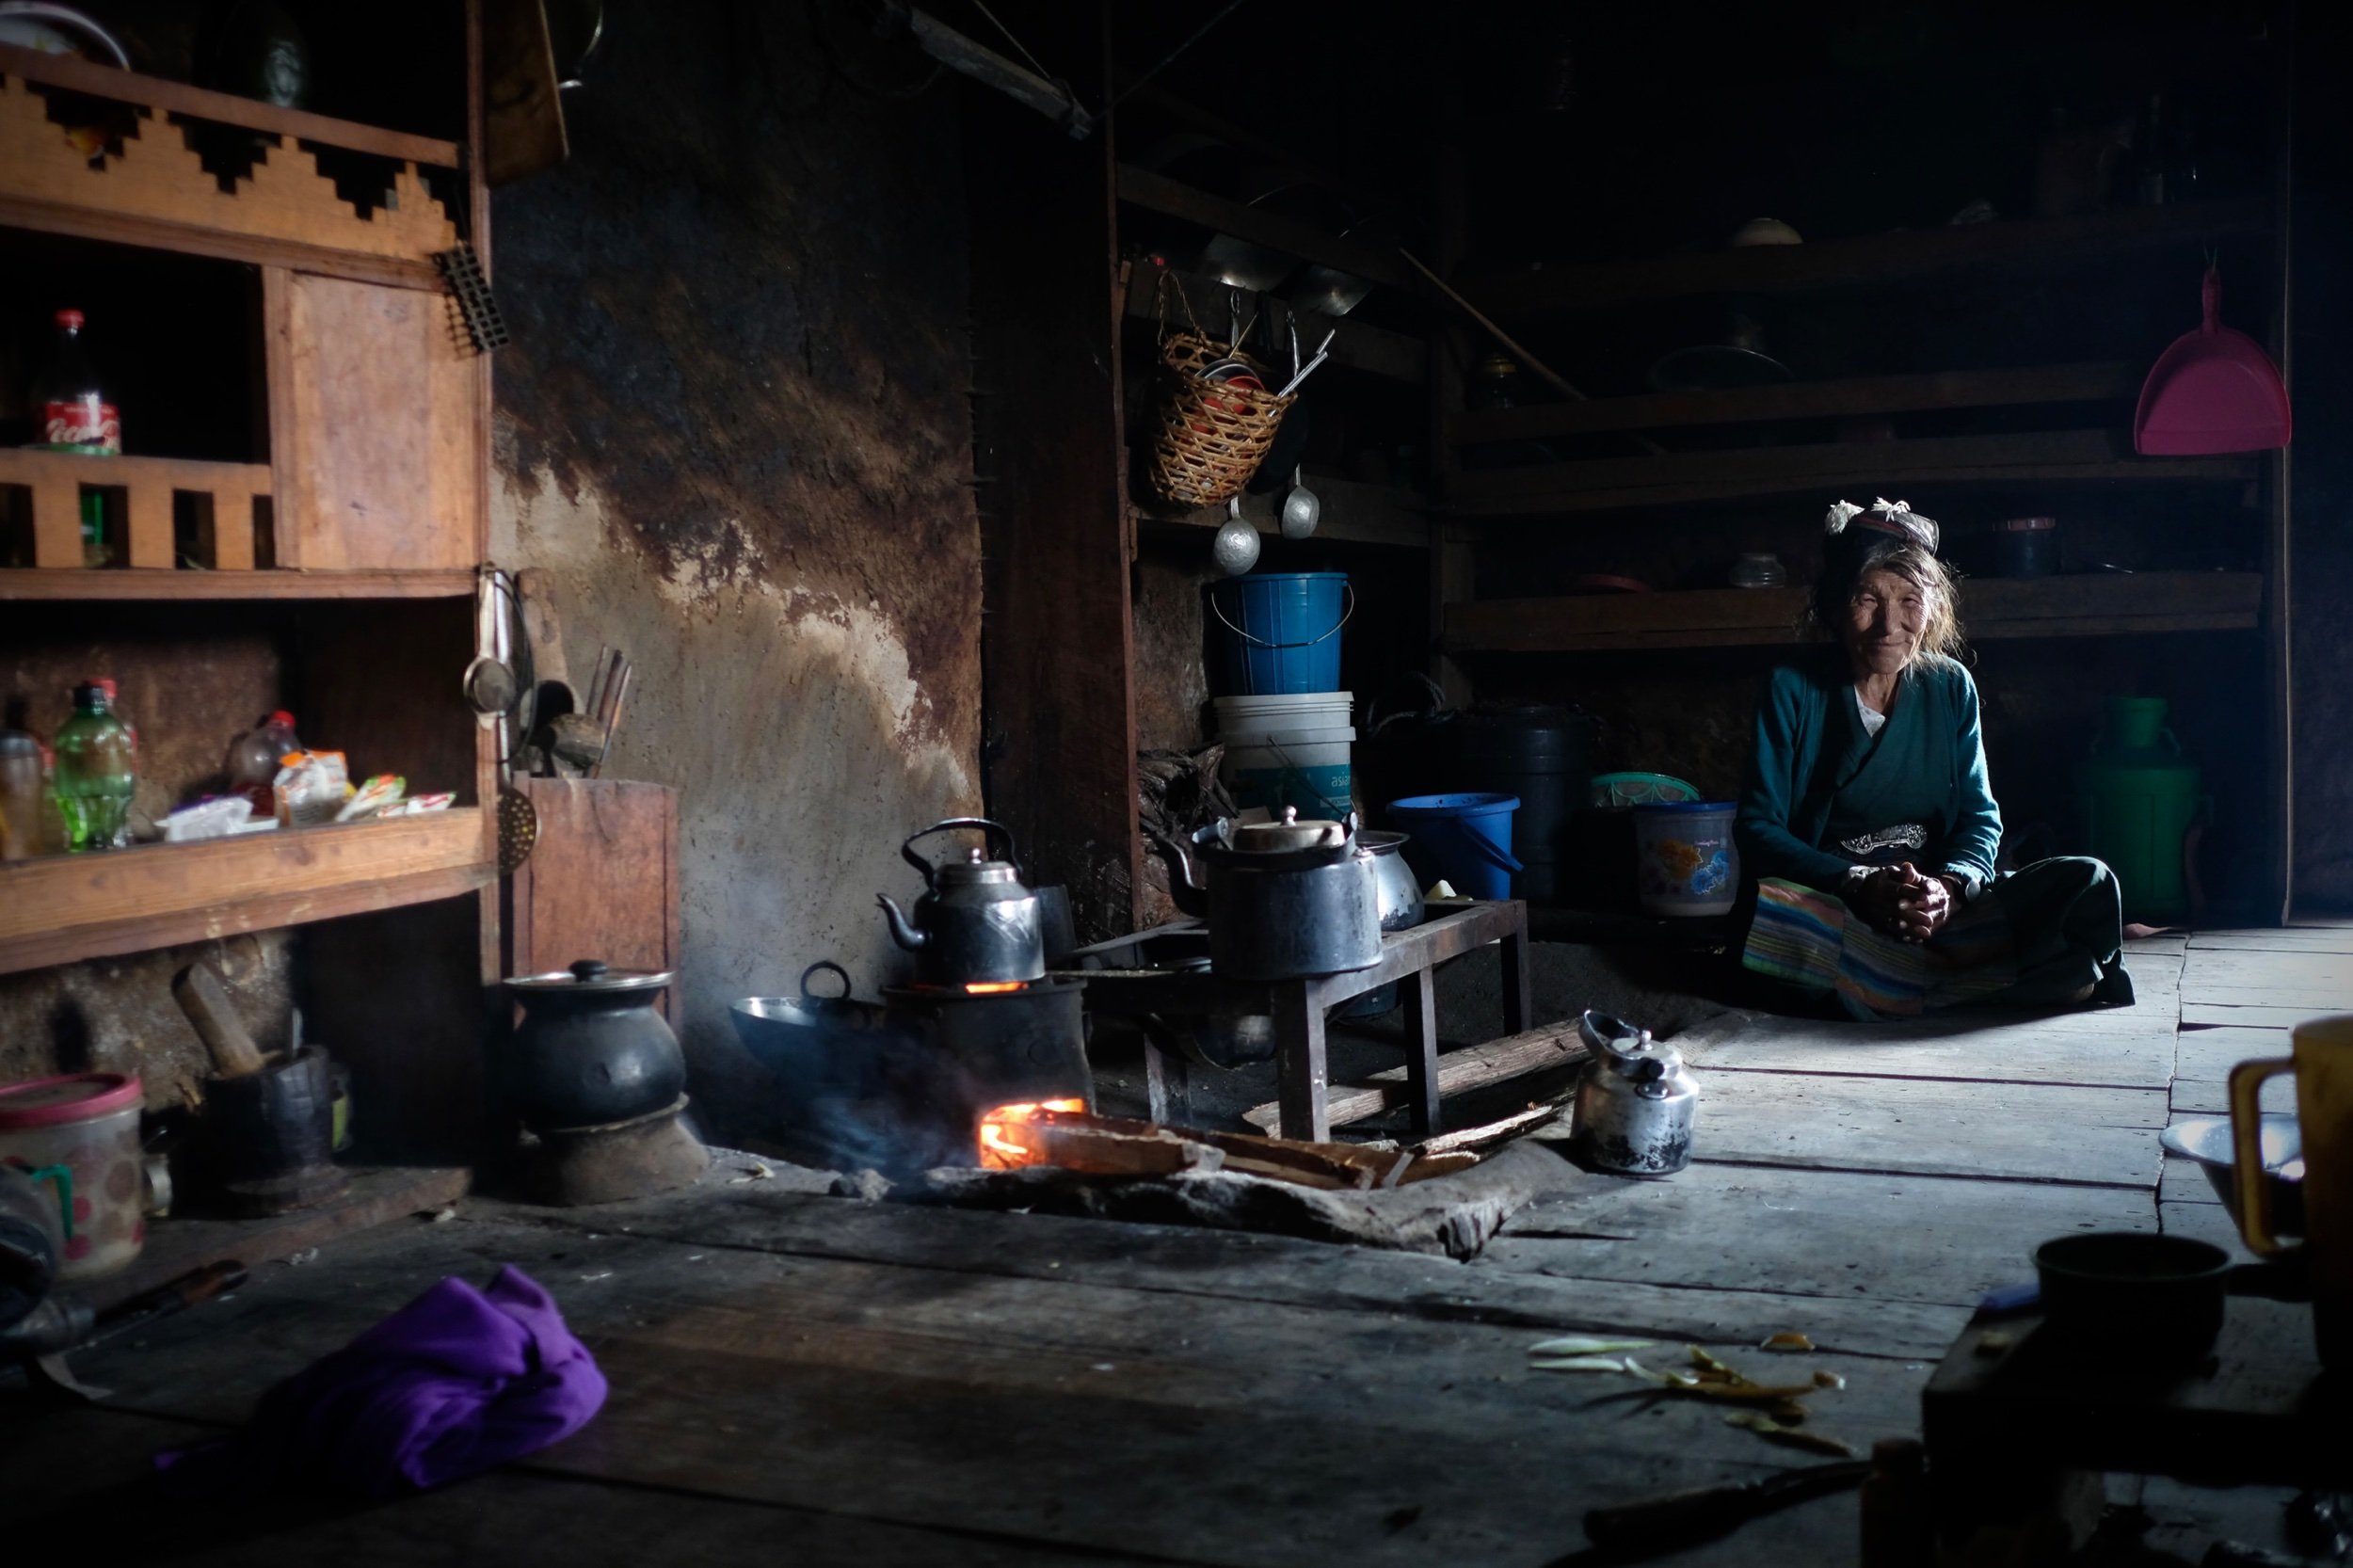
<point>975,923</point>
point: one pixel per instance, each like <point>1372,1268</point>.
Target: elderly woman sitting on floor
<point>1870,827</point>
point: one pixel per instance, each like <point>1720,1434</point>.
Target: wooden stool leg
<point>1518,988</point>
<point>1419,991</point>
<point>1299,1068</point>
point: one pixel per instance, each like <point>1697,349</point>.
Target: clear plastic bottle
<point>73,412</point>
<point>23,811</point>
<point>98,768</point>
<point>254,758</point>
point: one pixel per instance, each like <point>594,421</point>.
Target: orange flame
<point>1002,1151</point>
<point>992,988</point>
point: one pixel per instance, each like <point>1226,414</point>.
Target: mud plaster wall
<point>734,426</point>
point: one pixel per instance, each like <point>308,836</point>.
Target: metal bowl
<point>2207,1140</point>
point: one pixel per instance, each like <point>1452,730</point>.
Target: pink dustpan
<point>2214,390</point>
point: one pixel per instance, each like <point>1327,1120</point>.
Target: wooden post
<point>1299,1061</point>
<point>1057,635</point>
<point>1419,991</point>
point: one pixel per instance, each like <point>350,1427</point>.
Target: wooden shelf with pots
<point>1992,609</point>
<point>62,907</point>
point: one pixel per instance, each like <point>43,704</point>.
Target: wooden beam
<point>160,233</point>
<point>138,582</point>
<point>1868,395</point>
<point>1058,632</point>
<point>1899,256</point>
<point>1141,187</point>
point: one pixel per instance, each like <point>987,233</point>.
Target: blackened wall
<point>734,426</point>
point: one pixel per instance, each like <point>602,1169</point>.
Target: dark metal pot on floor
<point>975,922</point>
<point>590,1050</point>
<point>1282,899</point>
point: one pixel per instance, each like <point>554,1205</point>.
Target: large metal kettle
<point>1636,1103</point>
<point>975,923</point>
<point>1282,899</point>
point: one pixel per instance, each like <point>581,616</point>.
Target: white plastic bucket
<point>1275,771</point>
<point>1258,715</point>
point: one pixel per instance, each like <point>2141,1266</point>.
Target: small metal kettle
<point>975,923</point>
<point>1635,1102</point>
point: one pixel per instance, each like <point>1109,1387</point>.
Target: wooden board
<point>1813,1233</point>
<point>2025,1132</point>
<point>57,478</point>
<point>2285,940</point>
<point>1991,608</point>
<point>1899,254</point>
<point>602,881</point>
<point>137,584</point>
<point>2211,1096</point>
<point>373,435</point>
<point>2320,980</point>
<point>2250,1014</point>
<point>1863,394</point>
<point>1536,1051</point>
<point>1954,1045</point>
<point>62,907</point>
<point>2211,1053</point>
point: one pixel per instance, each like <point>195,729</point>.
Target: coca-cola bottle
<point>73,413</point>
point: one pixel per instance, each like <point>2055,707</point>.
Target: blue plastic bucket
<point>1281,631</point>
<point>1687,863</point>
<point>1465,840</point>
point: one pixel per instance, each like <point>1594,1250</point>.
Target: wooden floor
<point>803,1378</point>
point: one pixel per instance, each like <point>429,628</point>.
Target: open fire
<point>1003,1147</point>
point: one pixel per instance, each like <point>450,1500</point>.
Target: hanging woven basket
<point>1210,435</point>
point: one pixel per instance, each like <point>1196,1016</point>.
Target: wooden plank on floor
<point>2203,1221</point>
<point>2322,981</point>
<point>2211,1053</point>
<point>1824,1233</point>
<point>2247,1015</point>
<point>1101,1418</point>
<point>1925,1126</point>
<point>2211,1096</point>
<point>2285,940</point>
<point>1983,1047</point>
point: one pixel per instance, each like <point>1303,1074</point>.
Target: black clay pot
<point>590,1049</point>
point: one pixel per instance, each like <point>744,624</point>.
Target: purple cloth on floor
<point>457,1380</point>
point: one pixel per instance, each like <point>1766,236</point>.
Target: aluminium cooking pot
<point>590,1049</point>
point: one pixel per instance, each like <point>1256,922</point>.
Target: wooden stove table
<point>1298,1007</point>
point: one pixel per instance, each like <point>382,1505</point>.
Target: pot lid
<point>592,974</point>
<point>1292,832</point>
<point>977,868</point>
<point>72,1097</point>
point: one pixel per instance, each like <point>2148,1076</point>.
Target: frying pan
<point>2214,390</point>
<point>2148,1297</point>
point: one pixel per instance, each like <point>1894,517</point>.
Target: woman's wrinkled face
<point>1884,619</point>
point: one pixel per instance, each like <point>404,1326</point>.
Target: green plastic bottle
<point>98,767</point>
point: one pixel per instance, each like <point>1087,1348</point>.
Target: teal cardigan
<point>1816,774</point>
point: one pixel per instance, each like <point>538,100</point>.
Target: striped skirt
<point>1810,939</point>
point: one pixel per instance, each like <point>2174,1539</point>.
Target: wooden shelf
<point>141,583</point>
<point>156,192</point>
<point>63,907</point>
<point>1355,345</point>
<point>1611,484</point>
<point>1351,511</point>
<point>57,480</point>
<point>1902,256</point>
<point>2107,382</point>
<point>1157,193</point>
<point>1992,609</point>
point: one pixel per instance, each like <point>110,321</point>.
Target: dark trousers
<point>2067,921</point>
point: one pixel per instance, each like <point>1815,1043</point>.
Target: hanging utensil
<point>1323,352</point>
<point>1301,509</point>
<point>1236,548</point>
<point>2215,391</point>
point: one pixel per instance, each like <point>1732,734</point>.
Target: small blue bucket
<point>1465,840</point>
<point>1281,631</point>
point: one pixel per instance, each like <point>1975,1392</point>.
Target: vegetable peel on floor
<point>1794,1438</point>
<point>1576,1345</point>
<point>1786,1341</point>
<point>1580,1364</point>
